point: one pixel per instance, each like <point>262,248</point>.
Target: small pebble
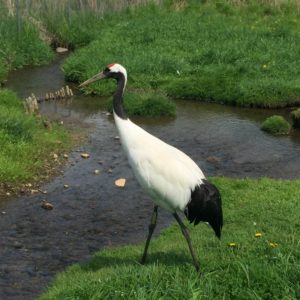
<point>47,205</point>
<point>96,172</point>
<point>213,159</point>
<point>18,245</point>
<point>55,156</point>
<point>120,182</point>
<point>66,186</point>
<point>66,156</point>
<point>84,155</point>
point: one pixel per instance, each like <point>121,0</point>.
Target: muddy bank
<point>92,213</point>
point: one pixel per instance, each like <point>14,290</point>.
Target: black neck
<point>118,97</point>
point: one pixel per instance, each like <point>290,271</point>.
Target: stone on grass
<point>61,50</point>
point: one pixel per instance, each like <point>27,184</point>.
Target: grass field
<point>210,51</point>
<point>25,144</point>
<point>266,267</point>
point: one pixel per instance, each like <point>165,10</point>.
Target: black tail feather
<point>206,205</point>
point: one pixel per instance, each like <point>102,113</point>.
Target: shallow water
<point>92,213</point>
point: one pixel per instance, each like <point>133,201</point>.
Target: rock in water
<point>47,205</point>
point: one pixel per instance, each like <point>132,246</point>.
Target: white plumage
<point>172,179</point>
<point>165,172</point>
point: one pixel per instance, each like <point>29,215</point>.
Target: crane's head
<point>115,71</point>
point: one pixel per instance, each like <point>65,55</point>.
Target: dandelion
<point>258,234</point>
<point>232,245</point>
<point>264,66</point>
<point>273,245</point>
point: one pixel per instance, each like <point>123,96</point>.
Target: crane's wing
<point>165,172</point>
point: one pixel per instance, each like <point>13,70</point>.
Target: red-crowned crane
<point>170,177</point>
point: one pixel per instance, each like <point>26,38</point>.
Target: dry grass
<point>101,7</point>
<point>96,6</point>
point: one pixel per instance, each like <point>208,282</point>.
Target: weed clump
<point>147,104</point>
<point>276,125</point>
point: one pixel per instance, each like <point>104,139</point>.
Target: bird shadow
<point>169,259</point>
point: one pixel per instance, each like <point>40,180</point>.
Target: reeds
<point>100,7</point>
<point>62,6</point>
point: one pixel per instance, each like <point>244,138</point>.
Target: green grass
<point>211,51</point>
<point>25,144</point>
<point>19,49</point>
<point>276,125</point>
<point>146,104</point>
<point>251,270</point>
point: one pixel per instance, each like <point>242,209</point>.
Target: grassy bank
<point>26,146</point>
<point>211,51</point>
<point>19,47</point>
<point>265,267</point>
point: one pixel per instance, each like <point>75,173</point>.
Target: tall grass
<point>60,15</point>
<point>19,48</point>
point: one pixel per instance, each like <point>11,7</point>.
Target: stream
<point>92,213</point>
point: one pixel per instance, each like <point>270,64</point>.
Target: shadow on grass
<point>168,258</point>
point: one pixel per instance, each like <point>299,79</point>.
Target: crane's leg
<point>151,229</point>
<point>188,239</point>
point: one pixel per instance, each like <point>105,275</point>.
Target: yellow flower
<point>258,234</point>
<point>232,245</point>
<point>264,66</point>
<point>273,245</point>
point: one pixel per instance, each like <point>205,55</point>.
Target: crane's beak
<point>93,79</point>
